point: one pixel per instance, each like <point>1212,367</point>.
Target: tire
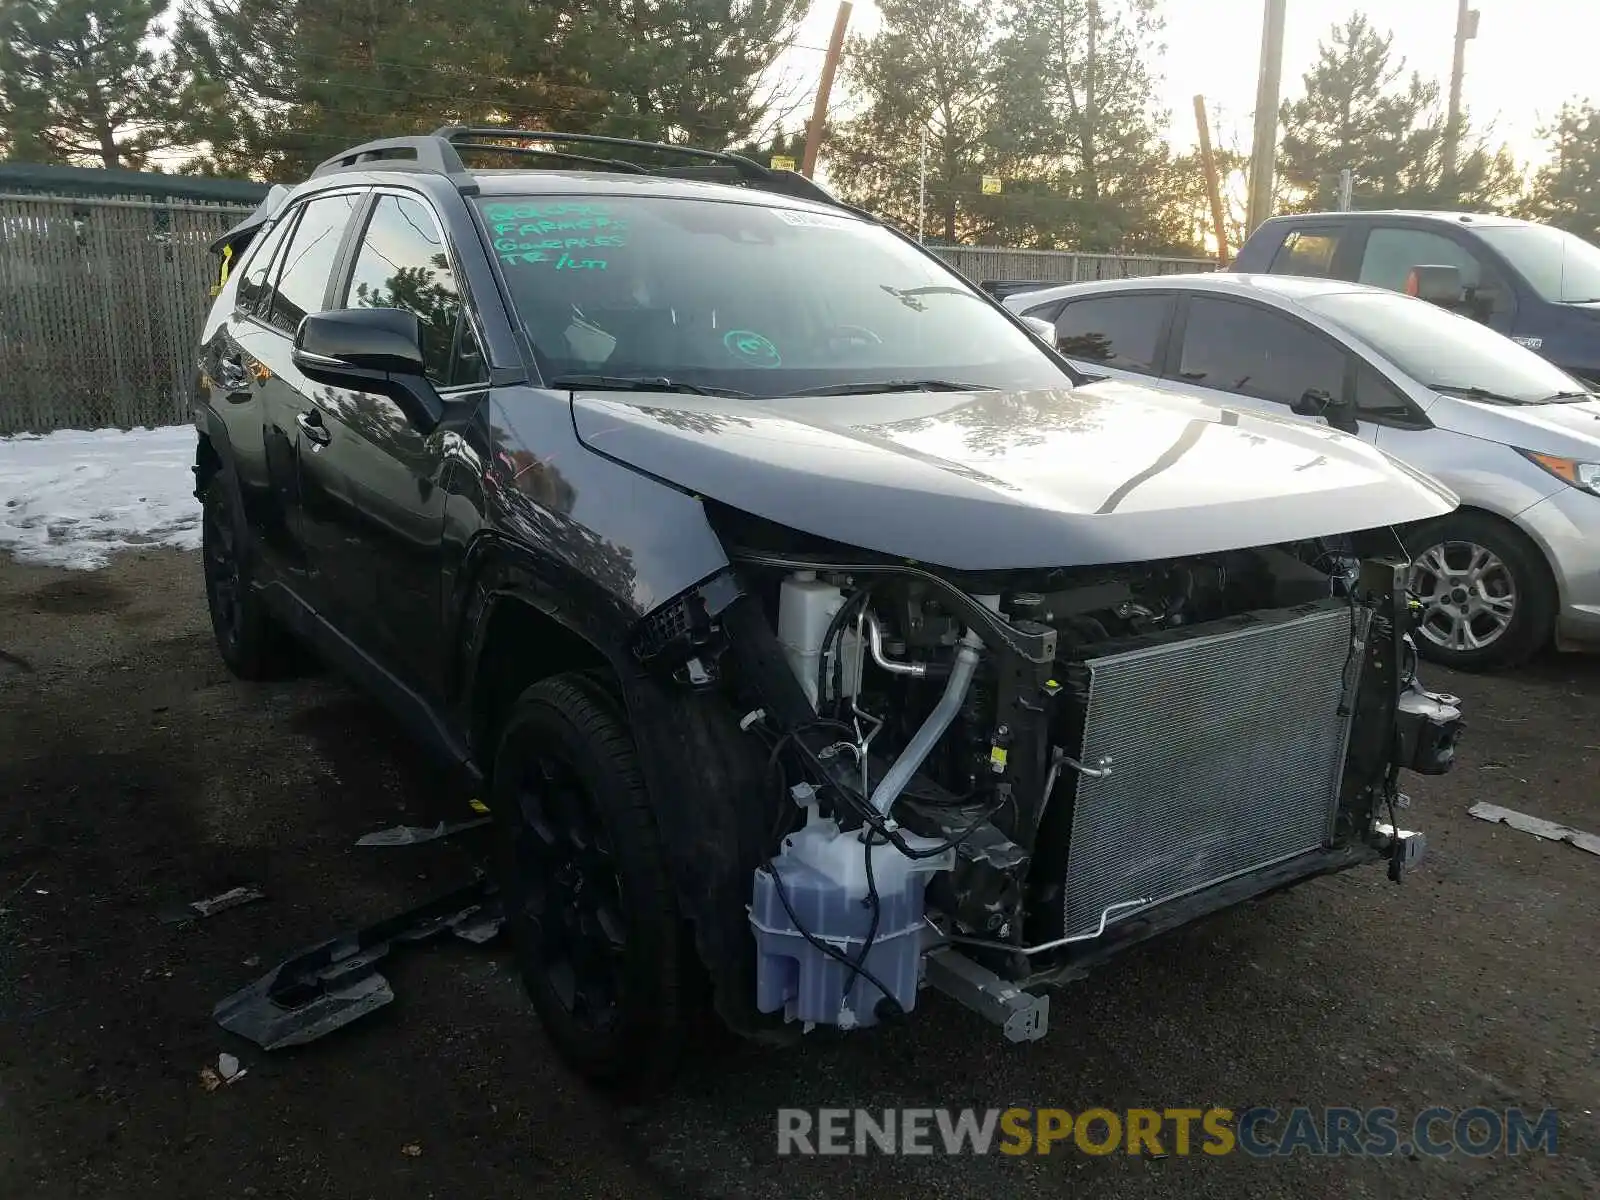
<point>251,642</point>
<point>592,914</point>
<point>1489,601</point>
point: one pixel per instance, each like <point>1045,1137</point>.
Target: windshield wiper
<point>1477,393</point>
<point>639,383</point>
<point>865,386</point>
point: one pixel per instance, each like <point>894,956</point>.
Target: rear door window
<point>256,284</point>
<point>1253,351</point>
<point>1119,331</point>
<point>309,260</point>
<point>1307,252</point>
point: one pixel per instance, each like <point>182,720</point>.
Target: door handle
<point>311,425</point>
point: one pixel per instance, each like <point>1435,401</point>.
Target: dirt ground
<point>136,775</point>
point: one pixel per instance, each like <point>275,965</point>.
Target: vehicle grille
<point>1226,749</point>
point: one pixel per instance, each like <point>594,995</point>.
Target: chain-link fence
<point>100,304</point>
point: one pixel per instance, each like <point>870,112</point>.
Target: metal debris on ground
<point>411,835</point>
<point>232,898</point>
<point>411,1150</point>
<point>226,1071</point>
<point>335,982</point>
<point>1537,826</point>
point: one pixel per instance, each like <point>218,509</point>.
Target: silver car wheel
<point>1468,595</point>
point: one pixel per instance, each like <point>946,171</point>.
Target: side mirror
<point>370,350</point>
<point>1044,330</point>
<point>1435,284</point>
<point>1336,410</point>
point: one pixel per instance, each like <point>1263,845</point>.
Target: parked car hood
<point>1109,472</point>
<point>1571,429</point>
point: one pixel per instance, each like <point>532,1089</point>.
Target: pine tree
<point>81,83</point>
<point>926,77</point>
<point>688,71</point>
<point>1362,112</point>
<point>322,75</point>
<point>287,83</point>
<point>1566,190</point>
<point>1076,111</point>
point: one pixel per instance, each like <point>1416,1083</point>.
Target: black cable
<point>872,929</point>
<point>832,952</point>
<point>835,627</point>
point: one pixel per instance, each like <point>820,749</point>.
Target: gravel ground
<point>135,775</point>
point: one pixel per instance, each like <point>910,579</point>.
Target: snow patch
<point>75,497</point>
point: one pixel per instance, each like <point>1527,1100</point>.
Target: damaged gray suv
<point>814,633</point>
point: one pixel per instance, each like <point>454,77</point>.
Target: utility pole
<point>1346,185</point>
<point>1208,163</point>
<point>1466,29</point>
<point>1264,150</point>
<point>819,110</point>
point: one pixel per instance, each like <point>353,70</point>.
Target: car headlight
<point>1585,475</point>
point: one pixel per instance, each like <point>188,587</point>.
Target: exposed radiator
<point>1226,752</point>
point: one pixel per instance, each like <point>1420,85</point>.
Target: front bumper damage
<point>1417,730</point>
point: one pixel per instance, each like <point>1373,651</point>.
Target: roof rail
<point>439,152</point>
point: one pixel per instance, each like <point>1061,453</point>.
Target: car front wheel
<point>590,908</point>
<point>1487,598</point>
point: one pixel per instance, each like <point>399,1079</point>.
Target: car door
<point>1117,335</point>
<point>387,541</point>
<point>311,469</point>
<point>1240,354</point>
<point>1392,250</point>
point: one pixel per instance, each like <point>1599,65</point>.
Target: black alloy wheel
<point>602,950</point>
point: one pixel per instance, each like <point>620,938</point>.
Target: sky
<point>1529,57</point>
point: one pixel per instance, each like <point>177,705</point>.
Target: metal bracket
<point>1405,849</point>
<point>1022,1016</point>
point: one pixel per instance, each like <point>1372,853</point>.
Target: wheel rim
<point>222,575</point>
<point>1468,595</point>
<point>571,893</point>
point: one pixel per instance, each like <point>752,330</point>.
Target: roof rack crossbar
<point>440,152</point>
<point>747,167</point>
<point>611,164</point>
<point>789,183</point>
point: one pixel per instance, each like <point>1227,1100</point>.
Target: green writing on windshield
<point>562,234</point>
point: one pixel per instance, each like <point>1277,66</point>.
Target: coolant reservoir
<point>824,878</point>
<point>805,606</point>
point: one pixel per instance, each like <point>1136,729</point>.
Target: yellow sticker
<point>997,756</point>
<point>478,806</point>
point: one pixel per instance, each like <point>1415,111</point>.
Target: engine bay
<point>1025,766</point>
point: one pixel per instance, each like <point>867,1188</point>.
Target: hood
<point>1110,472</point>
<point>1570,430</point>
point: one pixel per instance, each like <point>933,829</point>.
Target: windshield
<point>744,297</point>
<point>1444,351</point>
<point>1557,265</point>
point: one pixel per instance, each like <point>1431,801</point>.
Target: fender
<point>212,431</point>
<point>703,775</point>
